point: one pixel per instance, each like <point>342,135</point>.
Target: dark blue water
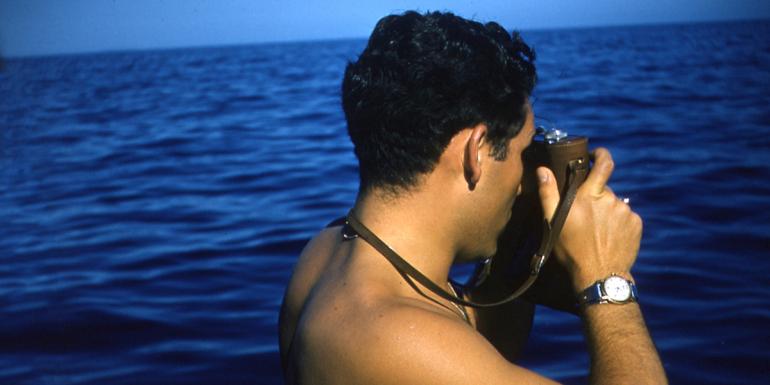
<point>153,203</point>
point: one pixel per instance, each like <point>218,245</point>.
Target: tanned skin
<point>350,318</point>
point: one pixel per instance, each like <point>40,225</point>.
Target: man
<point>437,108</point>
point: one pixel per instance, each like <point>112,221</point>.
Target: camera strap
<point>578,169</point>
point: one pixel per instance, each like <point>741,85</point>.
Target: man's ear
<point>473,154</point>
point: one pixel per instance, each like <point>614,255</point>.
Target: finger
<point>600,172</point>
<point>609,191</point>
<point>549,192</point>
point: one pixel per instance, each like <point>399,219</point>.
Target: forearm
<point>621,349</point>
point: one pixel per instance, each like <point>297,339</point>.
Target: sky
<point>46,27</point>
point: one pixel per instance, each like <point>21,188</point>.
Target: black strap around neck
<point>354,228</point>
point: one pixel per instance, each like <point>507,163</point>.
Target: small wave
<point>84,330</point>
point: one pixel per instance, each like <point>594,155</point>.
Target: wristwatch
<point>613,289</point>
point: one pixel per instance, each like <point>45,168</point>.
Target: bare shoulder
<point>405,341</point>
<point>313,259</point>
<point>309,267</point>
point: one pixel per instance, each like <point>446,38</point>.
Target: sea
<point>153,203</point>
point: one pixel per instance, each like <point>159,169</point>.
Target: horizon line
<point>342,38</point>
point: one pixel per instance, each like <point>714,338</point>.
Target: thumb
<point>548,191</point>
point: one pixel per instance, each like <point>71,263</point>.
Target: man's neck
<point>418,226</point>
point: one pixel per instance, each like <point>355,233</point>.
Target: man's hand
<point>601,235</point>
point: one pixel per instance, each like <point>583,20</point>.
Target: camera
<point>555,149</point>
<point>524,236</point>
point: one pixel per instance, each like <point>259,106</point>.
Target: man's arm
<point>601,237</point>
<point>622,350</point>
<point>414,345</point>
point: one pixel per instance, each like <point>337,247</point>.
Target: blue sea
<point>152,204</point>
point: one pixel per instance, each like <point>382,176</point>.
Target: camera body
<point>556,150</point>
<point>568,158</point>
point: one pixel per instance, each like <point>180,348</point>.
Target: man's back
<point>349,317</point>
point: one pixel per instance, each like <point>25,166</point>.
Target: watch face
<point>617,289</point>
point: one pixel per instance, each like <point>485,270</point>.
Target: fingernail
<point>542,175</point>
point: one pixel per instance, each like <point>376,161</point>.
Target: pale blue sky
<point>40,27</point>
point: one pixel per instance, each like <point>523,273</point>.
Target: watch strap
<point>595,294</point>
<point>591,295</point>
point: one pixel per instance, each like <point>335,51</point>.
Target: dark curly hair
<point>423,78</point>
